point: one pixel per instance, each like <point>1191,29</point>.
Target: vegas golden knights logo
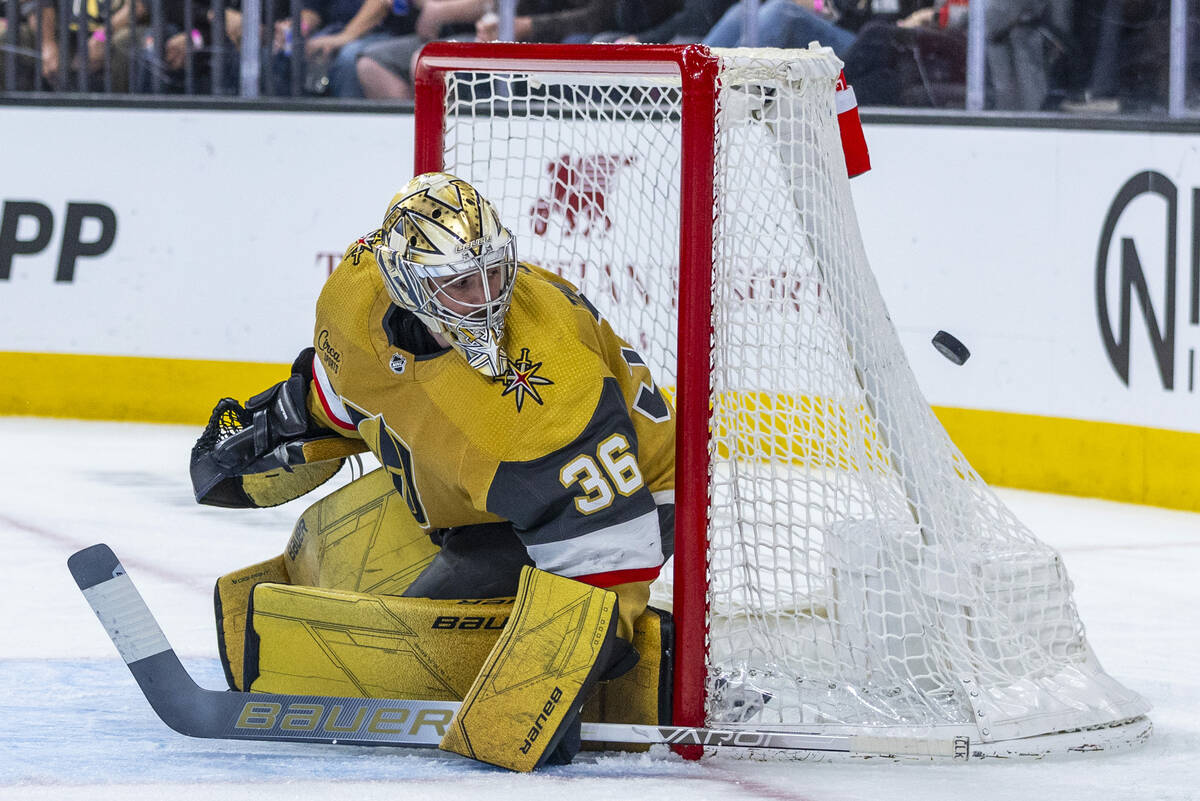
<point>521,379</point>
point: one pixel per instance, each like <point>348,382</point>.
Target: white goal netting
<point>861,575</point>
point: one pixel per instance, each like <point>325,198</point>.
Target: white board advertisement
<point>183,234</point>
<point>1065,259</point>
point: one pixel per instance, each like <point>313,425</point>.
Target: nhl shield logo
<point>398,363</point>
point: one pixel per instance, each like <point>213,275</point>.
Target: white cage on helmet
<point>446,257</point>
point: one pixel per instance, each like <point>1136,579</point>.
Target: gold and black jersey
<point>574,444</point>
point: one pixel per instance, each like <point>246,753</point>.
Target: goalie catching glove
<point>268,452</point>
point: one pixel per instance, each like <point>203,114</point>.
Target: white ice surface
<point>74,725</point>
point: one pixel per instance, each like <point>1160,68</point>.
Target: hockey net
<point>840,566</point>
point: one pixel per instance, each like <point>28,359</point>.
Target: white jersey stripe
<point>663,497</point>
<point>329,399</point>
<point>633,545</point>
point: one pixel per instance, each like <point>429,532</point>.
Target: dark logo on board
<point>331,355</point>
<point>1124,278</point>
<point>579,188</point>
<point>521,379</point>
<point>27,227</point>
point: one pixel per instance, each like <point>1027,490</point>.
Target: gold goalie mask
<point>446,257</point>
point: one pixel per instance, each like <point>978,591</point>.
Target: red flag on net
<point>854,144</point>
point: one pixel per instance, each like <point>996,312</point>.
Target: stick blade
<point>94,565</point>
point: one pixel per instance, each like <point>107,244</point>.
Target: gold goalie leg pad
<point>361,538</point>
<point>312,641</point>
<point>643,695</point>
<point>231,599</point>
<point>536,678</point>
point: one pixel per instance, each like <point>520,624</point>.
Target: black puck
<point>951,348</point>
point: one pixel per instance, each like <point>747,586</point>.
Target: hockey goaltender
<point>503,555</point>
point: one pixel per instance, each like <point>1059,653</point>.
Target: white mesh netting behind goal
<point>861,574</point>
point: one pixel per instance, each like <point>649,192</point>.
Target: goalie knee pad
<point>643,694</point>
<point>361,538</point>
<point>231,600</point>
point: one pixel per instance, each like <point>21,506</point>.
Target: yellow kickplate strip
<point>1127,463</point>
<point>126,387</point>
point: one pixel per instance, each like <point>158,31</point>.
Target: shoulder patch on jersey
<point>365,244</point>
<point>650,404</point>
<point>521,379</point>
<point>396,457</point>
<point>631,358</point>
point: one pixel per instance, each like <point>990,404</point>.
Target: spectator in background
<point>86,70</point>
<point>1125,65</point>
<point>894,51</point>
<point>782,23</point>
<point>21,41</point>
<point>551,21</point>
<point>344,30</point>
<point>919,60</point>
<point>1019,33</point>
<point>200,35</point>
<point>1093,84</point>
<point>667,23</point>
<point>385,69</point>
<point>639,15</point>
<point>796,23</point>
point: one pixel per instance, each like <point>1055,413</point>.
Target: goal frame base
<point>1117,737</point>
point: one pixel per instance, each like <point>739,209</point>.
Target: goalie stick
<point>192,710</point>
